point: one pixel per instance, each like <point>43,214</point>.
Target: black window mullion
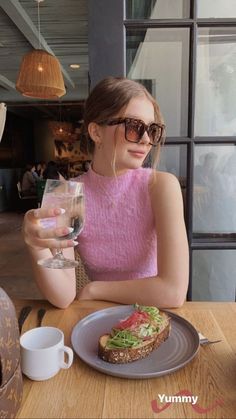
<point>214,246</point>
<point>157,23</point>
<point>192,78</point>
<point>189,196</point>
<point>177,140</point>
<point>215,140</point>
<point>216,22</point>
<point>190,147</point>
<point>193,9</point>
<point>189,209</point>
<point>190,287</point>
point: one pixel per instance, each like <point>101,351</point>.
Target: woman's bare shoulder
<point>165,193</point>
<point>161,182</point>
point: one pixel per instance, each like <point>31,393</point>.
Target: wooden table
<point>82,392</point>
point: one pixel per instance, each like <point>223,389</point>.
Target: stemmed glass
<point>68,195</point>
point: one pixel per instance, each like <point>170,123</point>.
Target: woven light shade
<point>40,76</point>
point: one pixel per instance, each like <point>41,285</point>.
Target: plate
<point>179,349</point>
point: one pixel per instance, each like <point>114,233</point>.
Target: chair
<point>82,278</point>
<point>26,202</point>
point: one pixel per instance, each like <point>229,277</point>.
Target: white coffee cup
<point>43,353</point>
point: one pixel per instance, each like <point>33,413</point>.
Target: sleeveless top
<point>118,241</point>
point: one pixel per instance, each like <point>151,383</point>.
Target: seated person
<point>134,242</point>
<point>51,171</point>
<point>40,167</point>
<point>28,184</point>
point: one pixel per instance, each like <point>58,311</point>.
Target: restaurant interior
<point>184,53</point>
<point>38,129</point>
<point>199,150</point>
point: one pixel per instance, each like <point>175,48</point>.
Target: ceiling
<point>64,33</point>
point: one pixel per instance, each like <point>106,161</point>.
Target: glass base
<point>58,263</point>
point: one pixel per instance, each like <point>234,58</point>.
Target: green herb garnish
<point>123,339</point>
<point>152,311</point>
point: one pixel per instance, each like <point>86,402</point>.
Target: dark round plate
<point>179,349</point>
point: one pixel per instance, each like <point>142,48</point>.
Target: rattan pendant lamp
<point>40,73</point>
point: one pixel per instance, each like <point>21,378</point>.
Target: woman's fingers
<point>34,215</point>
<point>50,243</point>
<point>47,212</point>
<point>52,233</point>
<point>42,232</point>
<point>36,235</point>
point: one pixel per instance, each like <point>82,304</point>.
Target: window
<point>211,281</point>
<point>187,60</point>
<point>150,54</point>
<point>214,192</point>
<point>184,52</point>
<point>216,8</point>
<point>153,9</point>
<point>215,84</point>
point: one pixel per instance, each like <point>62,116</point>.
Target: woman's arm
<point>169,288</point>
<point>58,286</point>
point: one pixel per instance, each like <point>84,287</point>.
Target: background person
<point>40,167</point>
<point>134,243</point>
<point>51,171</point>
<point>28,183</point>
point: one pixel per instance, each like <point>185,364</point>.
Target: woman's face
<point>128,155</point>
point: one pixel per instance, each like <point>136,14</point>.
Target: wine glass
<point>69,195</point>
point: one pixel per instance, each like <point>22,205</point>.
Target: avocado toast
<point>136,336</point>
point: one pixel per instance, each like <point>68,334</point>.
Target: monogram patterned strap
<point>11,386</point>
<point>9,338</point>
<point>11,395</point>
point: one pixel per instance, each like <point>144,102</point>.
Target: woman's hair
<point>29,166</point>
<point>109,97</point>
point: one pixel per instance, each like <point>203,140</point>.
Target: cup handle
<point>69,352</point>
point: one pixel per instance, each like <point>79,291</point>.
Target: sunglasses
<point>135,129</point>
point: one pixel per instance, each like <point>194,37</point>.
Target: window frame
<point>108,22</point>
<point>206,241</point>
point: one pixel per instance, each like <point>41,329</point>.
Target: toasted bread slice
<point>125,355</point>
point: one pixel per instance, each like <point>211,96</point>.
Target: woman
<point>134,242</point>
<point>28,184</point>
<point>40,167</point>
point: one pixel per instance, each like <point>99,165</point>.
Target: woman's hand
<point>40,238</point>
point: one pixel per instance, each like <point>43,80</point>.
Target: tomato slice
<point>135,319</point>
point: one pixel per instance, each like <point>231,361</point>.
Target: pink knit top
<point>119,240</point>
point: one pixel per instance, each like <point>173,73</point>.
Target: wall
<point>8,190</point>
<point>43,141</point>
<point>16,149</point>
<point>106,38</point>
<point>17,145</point>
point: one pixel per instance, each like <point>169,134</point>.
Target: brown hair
<point>107,99</point>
